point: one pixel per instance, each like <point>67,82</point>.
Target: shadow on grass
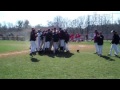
<point>34,60</point>
<point>59,54</point>
<point>64,54</point>
<point>107,58</point>
<point>117,56</point>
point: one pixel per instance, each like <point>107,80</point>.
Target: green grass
<point>83,65</point>
<point>10,46</point>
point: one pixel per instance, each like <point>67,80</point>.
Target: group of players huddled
<point>49,40</point>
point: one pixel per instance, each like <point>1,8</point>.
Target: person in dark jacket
<point>95,41</point>
<point>67,37</point>
<point>33,47</point>
<point>114,42</point>
<point>47,40</point>
<point>62,40</point>
<point>51,41</point>
<point>55,41</point>
<point>117,42</point>
<point>100,39</point>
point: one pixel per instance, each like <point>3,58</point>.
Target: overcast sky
<point>42,17</point>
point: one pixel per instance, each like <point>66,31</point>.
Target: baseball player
<point>41,39</point>
<point>78,37</point>
<point>95,41</point>
<point>67,37</point>
<point>38,40</point>
<point>100,38</point>
<point>114,42</point>
<point>55,41</point>
<point>62,40</point>
<point>117,42</point>
<point>47,40</point>
<point>33,47</point>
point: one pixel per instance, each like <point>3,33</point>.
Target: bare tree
<point>38,26</point>
<point>87,24</point>
<point>50,23</point>
<point>80,23</point>
<point>19,25</point>
<point>26,24</point>
<point>59,22</point>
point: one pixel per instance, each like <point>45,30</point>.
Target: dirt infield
<point>72,48</point>
<point>13,53</point>
<point>81,47</point>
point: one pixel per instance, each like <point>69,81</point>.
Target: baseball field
<point>15,62</point>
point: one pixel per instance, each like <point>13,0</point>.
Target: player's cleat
<point>68,51</point>
<point>31,54</point>
<point>34,53</point>
<point>116,55</point>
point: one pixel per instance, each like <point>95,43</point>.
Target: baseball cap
<point>33,28</point>
<point>112,31</point>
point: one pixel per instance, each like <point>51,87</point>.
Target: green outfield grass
<point>83,65</point>
<point>10,46</point>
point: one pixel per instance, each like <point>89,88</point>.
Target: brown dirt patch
<point>72,48</point>
<point>14,53</point>
<point>81,47</point>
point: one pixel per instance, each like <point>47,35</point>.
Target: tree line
<point>82,24</point>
